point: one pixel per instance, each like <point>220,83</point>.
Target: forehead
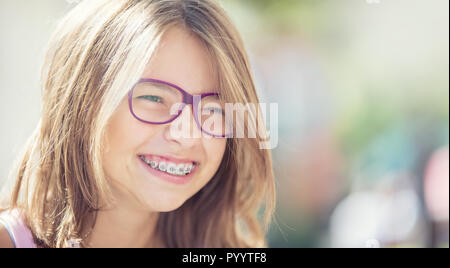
<point>183,59</point>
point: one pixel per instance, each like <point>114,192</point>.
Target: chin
<point>165,207</point>
<point>164,203</point>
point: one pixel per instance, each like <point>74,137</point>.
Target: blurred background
<point>363,94</point>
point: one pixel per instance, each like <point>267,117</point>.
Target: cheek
<point>215,149</point>
<point>124,136</point>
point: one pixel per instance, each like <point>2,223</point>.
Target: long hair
<point>98,50</point>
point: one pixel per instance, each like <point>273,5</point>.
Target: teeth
<point>153,164</point>
<point>180,169</point>
<point>162,166</point>
<point>188,168</point>
<point>171,168</point>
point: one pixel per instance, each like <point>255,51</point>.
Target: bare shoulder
<point>5,239</point>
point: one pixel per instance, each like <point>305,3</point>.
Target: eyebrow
<point>162,85</point>
<point>166,87</point>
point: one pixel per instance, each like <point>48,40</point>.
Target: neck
<point>124,226</point>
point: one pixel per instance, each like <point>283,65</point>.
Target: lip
<point>179,180</point>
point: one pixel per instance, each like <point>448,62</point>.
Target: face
<point>181,59</point>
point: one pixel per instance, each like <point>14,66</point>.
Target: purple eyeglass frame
<point>187,99</point>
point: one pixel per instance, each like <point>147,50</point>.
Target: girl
<point>105,168</point>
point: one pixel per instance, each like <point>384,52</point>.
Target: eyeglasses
<point>154,101</point>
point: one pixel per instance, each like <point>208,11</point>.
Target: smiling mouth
<point>169,167</point>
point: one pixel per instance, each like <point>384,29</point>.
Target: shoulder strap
<point>18,231</point>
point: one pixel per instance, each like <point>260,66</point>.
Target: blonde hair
<point>99,49</point>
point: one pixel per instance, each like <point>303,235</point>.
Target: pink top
<point>18,231</point>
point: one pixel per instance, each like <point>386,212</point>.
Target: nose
<point>184,130</point>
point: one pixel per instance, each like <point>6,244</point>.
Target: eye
<point>214,110</point>
<point>152,98</point>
